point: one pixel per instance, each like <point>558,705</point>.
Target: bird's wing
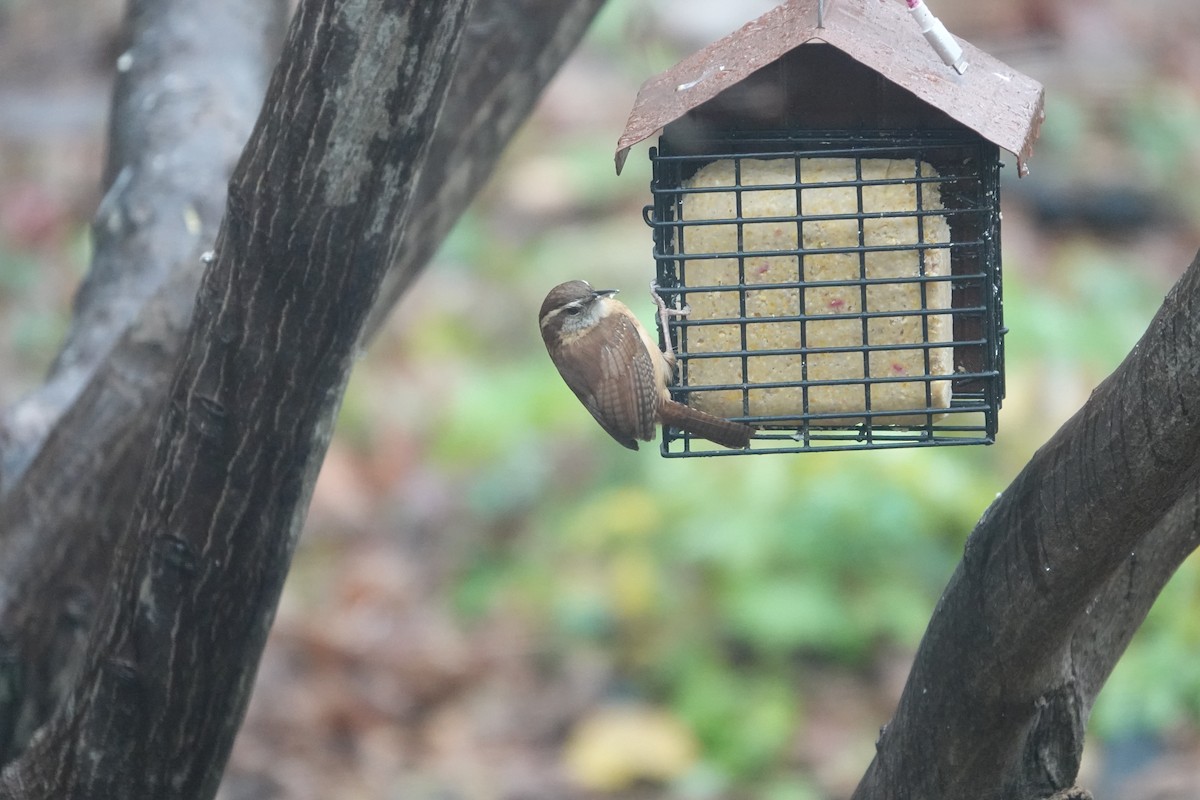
<point>623,391</point>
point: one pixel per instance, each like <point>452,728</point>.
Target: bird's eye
<point>572,310</point>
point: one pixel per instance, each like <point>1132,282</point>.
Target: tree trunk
<point>315,211</point>
<point>72,454</point>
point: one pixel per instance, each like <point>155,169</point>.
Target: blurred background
<point>494,600</point>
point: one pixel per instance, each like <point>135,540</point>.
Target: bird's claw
<point>663,308</point>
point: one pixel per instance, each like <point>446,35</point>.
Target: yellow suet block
<point>824,293</point>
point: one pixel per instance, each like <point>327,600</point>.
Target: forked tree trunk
<point>315,211</point>
<point>73,455</point>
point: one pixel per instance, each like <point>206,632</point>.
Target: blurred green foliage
<point>33,313</point>
<point>715,585</point>
<point>1161,127</point>
<point>1156,684</point>
<point>1085,315</point>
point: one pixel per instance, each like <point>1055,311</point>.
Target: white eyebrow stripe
<point>552,314</point>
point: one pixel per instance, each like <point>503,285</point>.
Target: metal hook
<point>820,13</point>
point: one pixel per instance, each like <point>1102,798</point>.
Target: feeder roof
<point>997,102</point>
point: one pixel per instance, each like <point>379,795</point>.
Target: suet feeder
<point>826,207</point>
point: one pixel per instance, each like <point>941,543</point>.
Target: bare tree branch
<point>1122,604</point>
<point>1041,605</point>
<point>513,49</point>
<point>184,100</point>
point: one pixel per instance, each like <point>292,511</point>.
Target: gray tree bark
<point>185,98</point>
<point>172,653</point>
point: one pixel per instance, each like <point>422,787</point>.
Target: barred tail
<point>722,431</point>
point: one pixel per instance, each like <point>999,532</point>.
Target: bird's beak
<point>605,292</point>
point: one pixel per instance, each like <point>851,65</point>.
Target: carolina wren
<point>618,372</point>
